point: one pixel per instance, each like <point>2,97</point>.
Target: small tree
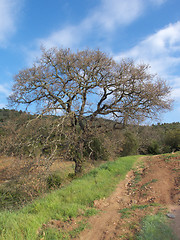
<point>172,140</point>
<point>87,84</point>
<point>130,144</point>
<point>154,148</point>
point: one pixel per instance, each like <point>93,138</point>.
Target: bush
<point>96,150</point>
<point>54,181</point>
<point>130,146</point>
<point>172,140</point>
<point>153,148</point>
<point>11,199</point>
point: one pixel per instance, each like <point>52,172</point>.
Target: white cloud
<point>161,49</point>
<point>107,17</point>
<point>8,16</point>
<point>66,37</point>
<point>113,13</point>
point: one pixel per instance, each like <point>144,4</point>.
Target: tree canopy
<point>90,83</point>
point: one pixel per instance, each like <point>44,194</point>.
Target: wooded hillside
<point>21,134</point>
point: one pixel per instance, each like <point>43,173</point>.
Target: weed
<point>154,180</point>
<point>146,184</point>
<point>125,212</point>
<point>144,194</point>
<point>134,207</point>
<point>176,169</point>
<point>75,232</point>
<point>134,226</point>
<point>90,212</point>
<point>72,176</point>
<point>167,158</point>
<point>53,234</point>
<point>137,177</point>
<point>141,165</point>
<point>136,180</point>
<point>54,181</point>
<point>155,227</point>
<point>12,198</point>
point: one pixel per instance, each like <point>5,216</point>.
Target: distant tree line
<point>6,114</point>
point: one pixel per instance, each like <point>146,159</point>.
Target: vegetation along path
<point>151,188</point>
<point>143,206</point>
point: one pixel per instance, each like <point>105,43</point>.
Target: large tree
<point>85,85</point>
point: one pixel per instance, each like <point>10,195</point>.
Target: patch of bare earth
<point>149,189</point>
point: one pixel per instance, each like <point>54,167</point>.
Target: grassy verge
<point>75,199</point>
<point>155,227</point>
<point>20,186</point>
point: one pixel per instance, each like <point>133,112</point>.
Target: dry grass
<point>21,180</point>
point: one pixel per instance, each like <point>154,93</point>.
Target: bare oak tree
<point>85,85</point>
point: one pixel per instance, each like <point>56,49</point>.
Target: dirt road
<point>150,188</point>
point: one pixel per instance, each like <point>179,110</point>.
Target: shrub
<point>153,148</point>
<point>10,199</point>
<point>54,181</point>
<point>130,146</point>
<point>172,140</point>
<point>96,150</point>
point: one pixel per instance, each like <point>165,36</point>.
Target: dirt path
<point>104,225</point>
<point>146,190</point>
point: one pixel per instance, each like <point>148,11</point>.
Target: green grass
<point>126,212</point>
<point>146,184</point>
<point>54,233</point>
<point>155,227</point>
<point>64,204</point>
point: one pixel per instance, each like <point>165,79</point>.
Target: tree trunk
<point>78,166</point>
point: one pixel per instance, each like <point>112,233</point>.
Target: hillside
<point>17,131</point>
<point>7,114</point>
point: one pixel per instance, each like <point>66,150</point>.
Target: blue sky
<point>146,30</point>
